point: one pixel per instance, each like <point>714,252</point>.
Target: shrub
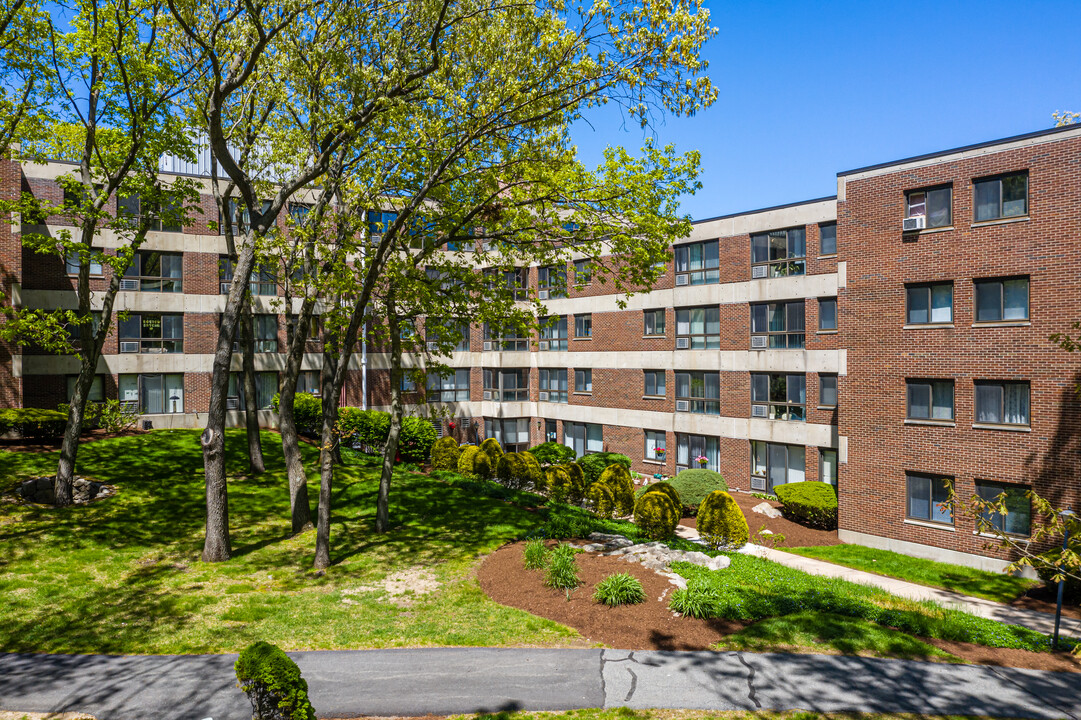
<point>618,477</point>
<point>667,489</point>
<point>465,459</point>
<point>810,503</point>
<point>534,473</point>
<point>600,499</point>
<point>535,554</point>
<point>562,571</point>
<point>307,412</point>
<point>721,522</point>
<point>1071,592</point>
<point>619,589</point>
<point>558,484</point>
<point>33,422</point>
<point>578,482</point>
<point>595,464</point>
<point>698,600</point>
<point>694,485</point>
<point>416,439</point>
<point>510,470</point>
<point>656,515</point>
<point>366,428</point>
<point>273,684</point>
<point>445,454</point>
<point>491,447</point>
<point>552,453</point>
<point>482,466</point>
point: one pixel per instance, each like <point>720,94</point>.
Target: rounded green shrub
<point>694,485</point>
<point>482,466</point>
<point>492,449</point>
<point>510,470</point>
<point>552,453</point>
<point>595,464</point>
<point>721,522</point>
<point>619,589</point>
<point>809,503</point>
<point>618,477</point>
<point>465,459</point>
<point>416,439</point>
<point>557,483</point>
<point>533,471</point>
<point>656,515</point>
<point>445,454</point>
<point>577,491</point>
<point>307,411</point>
<point>600,499</point>
<point>273,683</point>
<point>667,489</point>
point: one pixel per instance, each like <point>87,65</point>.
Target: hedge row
<point>33,422</point>
<point>810,503</point>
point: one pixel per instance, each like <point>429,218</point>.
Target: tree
<point>115,85</point>
<point>26,86</point>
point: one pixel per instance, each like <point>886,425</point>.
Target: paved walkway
<point>1038,621</point>
<point>464,680</point>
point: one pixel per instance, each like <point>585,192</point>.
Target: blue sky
<point>808,89</point>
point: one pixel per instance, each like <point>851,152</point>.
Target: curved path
<point>460,680</point>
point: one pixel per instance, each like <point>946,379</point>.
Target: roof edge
<point>765,209</point>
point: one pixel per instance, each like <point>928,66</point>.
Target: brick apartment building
<point>880,340</point>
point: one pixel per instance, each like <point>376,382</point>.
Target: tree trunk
<point>299,507</point>
<point>251,405</point>
<point>326,480</point>
<point>69,447</point>
<point>326,380</point>
<point>390,450</point>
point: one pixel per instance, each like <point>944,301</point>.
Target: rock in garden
<point>764,508</point>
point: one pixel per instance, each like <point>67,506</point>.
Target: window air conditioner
<point>432,346</point>
<point>129,284</point>
<point>129,347</point>
<point>683,405</point>
<point>487,394</point>
<point>223,288</point>
<point>542,294</point>
<point>913,224</point>
<point>759,342</point>
<point>543,396</point>
<point>232,403</point>
<point>542,345</point>
<point>759,411</point>
<point>487,347</point>
<point>760,271</point>
<point>758,483</point>
<point>683,343</point>
<point>682,280</point>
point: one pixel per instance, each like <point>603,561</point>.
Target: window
<point>698,263</point>
<point>553,382</point>
<point>827,313</point>
<point>1004,196</point>
<point>930,399</point>
<point>827,466</point>
<point>263,280</point>
<point>583,381</point>
<point>512,434</point>
<point>554,280</point>
<point>929,304</point>
<point>1002,300</point>
<point>308,381</point>
<point>779,324</point>
<point>926,495</point>
<point>153,394</point>
<point>655,383</point>
<point>827,239</point>
<point>313,329</point>
<point>784,395</point>
<point>408,383</point>
<point>511,339</point>
<point>1002,403</point>
<point>266,387</point>
<point>134,208</point>
<point>551,434</point>
<point>583,326</point>
<point>152,333</point>
<point>655,440</point>
<point>239,217</point>
<point>378,223</point>
<point>698,328</point>
<point>73,261</point>
<point>1018,517</point>
<point>933,204</point>
<point>506,385</point>
<point>454,387</point>
<point>777,464</point>
<point>691,447</point>
<point>265,328</point>
<point>583,272</point>
<point>74,328</point>
<point>555,333</point>
<point>298,213</point>
<point>97,388</point>
<point>779,253</point>
<point>438,330</point>
<point>514,280</point>
<point>654,322</point>
<point>827,390</point>
<point>698,392</point>
<point>583,438</point>
<point>156,271</point>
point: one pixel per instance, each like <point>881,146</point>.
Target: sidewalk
<point>1038,621</point>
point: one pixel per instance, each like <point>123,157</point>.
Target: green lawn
<point>968,581</point>
<point>124,576</point>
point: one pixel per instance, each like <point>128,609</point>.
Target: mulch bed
<point>652,626</point>
<point>795,535</point>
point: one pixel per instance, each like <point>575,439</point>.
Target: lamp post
<point>1066,515</point>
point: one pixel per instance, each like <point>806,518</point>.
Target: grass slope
<point>124,576</point>
<point>968,581</point>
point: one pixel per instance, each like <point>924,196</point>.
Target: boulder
<point>764,508</point>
